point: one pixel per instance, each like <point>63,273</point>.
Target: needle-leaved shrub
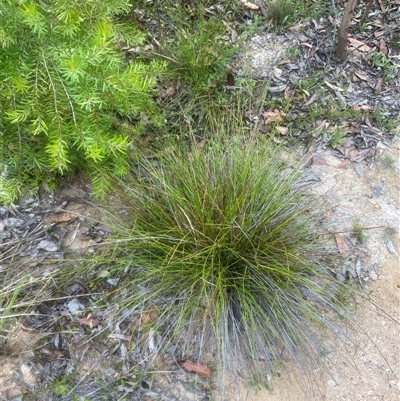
<point>65,88</point>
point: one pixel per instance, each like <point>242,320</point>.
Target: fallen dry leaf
<point>379,85</point>
<point>229,76</point>
<point>168,92</point>
<point>249,5</point>
<point>334,87</point>
<point>361,75</point>
<point>358,155</point>
<point>298,27</point>
<point>285,61</point>
<point>343,248</point>
<point>383,47</point>
<point>363,107</point>
<point>148,317</point>
<point>234,34</point>
<point>343,164</point>
<point>60,218</point>
<point>273,116</point>
<point>312,99</point>
<point>51,353</point>
<point>88,321</point>
<point>318,160</point>
<point>357,44</point>
<point>195,367</point>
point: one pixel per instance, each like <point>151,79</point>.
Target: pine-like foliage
<point>64,85</point>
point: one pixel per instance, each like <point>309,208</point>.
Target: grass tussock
<point>226,254</point>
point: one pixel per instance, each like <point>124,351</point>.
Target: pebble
<point>75,306</point>
<point>373,276</point>
<point>48,246</point>
<point>374,203</point>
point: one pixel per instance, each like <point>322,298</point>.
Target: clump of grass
<point>280,11</point>
<point>358,232</point>
<point>227,249</point>
<point>388,162</point>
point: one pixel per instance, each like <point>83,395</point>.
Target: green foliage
<point>387,66</point>
<point>336,137</point>
<point>280,12</point>
<point>387,161</point>
<point>358,232</point>
<point>198,55</point>
<point>65,90</point>
<point>227,249</point>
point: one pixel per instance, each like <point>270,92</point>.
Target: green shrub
<point>199,54</point>
<point>228,250</point>
<point>65,90</point>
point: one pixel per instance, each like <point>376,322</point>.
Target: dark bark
<point>341,47</point>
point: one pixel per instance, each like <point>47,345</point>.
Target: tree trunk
<point>341,47</point>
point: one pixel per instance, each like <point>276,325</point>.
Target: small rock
<point>28,376</point>
<point>377,191</point>
<point>389,245</point>
<point>10,222</point>
<point>359,169</point>
<point>113,281</point>
<point>3,211</point>
<point>48,246</point>
<point>318,160</point>
<point>373,276</point>
<point>75,306</point>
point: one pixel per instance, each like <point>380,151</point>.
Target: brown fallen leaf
<point>298,27</point>
<point>168,92</point>
<point>383,47</point>
<point>271,116</point>
<point>60,218</point>
<point>361,75</point>
<point>318,160</point>
<point>312,99</point>
<point>363,107</point>
<point>285,61</point>
<point>195,367</point>
<point>88,321</point>
<point>379,85</point>
<point>357,44</point>
<point>334,87</point>
<point>358,155</point>
<point>148,317</point>
<point>234,34</point>
<point>343,248</point>
<point>249,5</point>
<point>229,76</point>
<point>379,34</point>
<point>343,164</point>
<point>51,353</point>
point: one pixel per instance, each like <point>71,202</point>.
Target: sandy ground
<point>368,369</point>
